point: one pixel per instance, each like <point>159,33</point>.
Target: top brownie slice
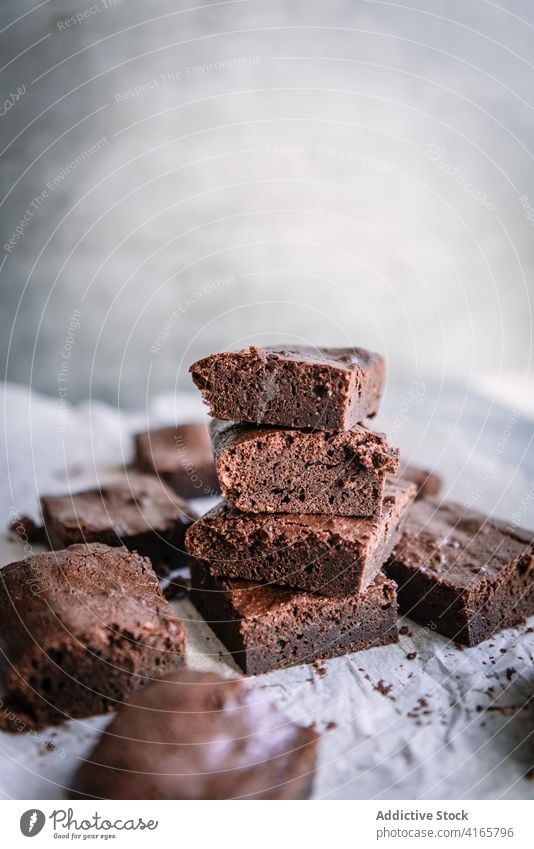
<point>467,573</point>
<point>140,512</point>
<point>323,388</point>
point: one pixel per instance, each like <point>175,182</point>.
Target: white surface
<point>385,744</point>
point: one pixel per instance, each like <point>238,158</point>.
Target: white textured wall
<point>353,171</point>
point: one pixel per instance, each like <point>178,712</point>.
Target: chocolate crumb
<point>319,667</point>
<point>510,672</point>
<point>384,689</point>
<point>411,655</point>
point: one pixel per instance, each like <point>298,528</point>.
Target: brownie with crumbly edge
<point>324,388</point>
<point>196,735</point>
<point>329,555</point>
<point>140,512</point>
<point>462,573</point>
<point>80,629</point>
<point>181,456</point>
<point>266,627</point>
<point>266,469</point>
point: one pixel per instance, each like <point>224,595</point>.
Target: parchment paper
<point>421,719</point>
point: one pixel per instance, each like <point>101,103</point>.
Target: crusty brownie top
<point>341,358</point>
<point>346,358</point>
<point>138,504</point>
<point>461,547</point>
<point>83,589</point>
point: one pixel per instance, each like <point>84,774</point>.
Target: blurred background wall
<point>179,178</point>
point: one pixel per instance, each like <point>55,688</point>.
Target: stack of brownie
<point>287,568</point>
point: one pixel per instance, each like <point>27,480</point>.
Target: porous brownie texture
<point>279,470</point>
<point>80,629</point>
<point>196,735</point>
<point>329,555</point>
<point>461,573</point>
<point>324,388</point>
<point>428,483</point>
<point>181,456</point>
<point>266,627</point>
<point>140,512</point>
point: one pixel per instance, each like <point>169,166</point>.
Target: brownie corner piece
<point>323,388</point>
<point>461,573</point>
<point>81,628</point>
<point>265,627</point>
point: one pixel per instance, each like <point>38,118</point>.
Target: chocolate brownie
<point>330,555</point>
<point>80,629</point>
<point>462,573</point>
<point>277,470</point>
<point>181,456</point>
<point>428,483</point>
<point>325,388</point>
<point>196,735</point>
<point>140,512</point>
<point>267,627</point>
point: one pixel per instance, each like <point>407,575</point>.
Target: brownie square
<point>329,555</point>
<point>428,483</point>
<point>140,512</point>
<point>181,456</point>
<point>324,388</point>
<point>196,735</point>
<point>461,573</point>
<point>266,627</point>
<point>80,629</point>
<point>277,470</point>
